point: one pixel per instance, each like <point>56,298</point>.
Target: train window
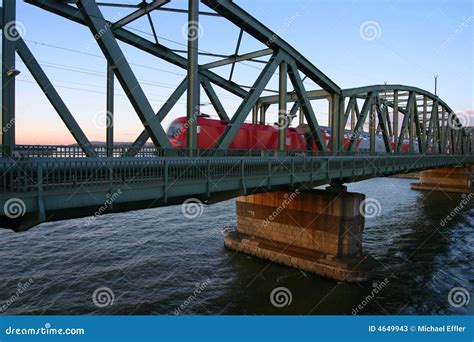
<point>175,129</point>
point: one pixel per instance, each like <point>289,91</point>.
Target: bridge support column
<point>448,179</point>
<point>317,231</point>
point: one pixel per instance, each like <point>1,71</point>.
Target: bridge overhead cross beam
<point>252,26</point>
<point>158,50</point>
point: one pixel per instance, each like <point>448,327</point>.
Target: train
<point>265,137</point>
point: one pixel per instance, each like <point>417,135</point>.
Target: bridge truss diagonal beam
<point>237,58</point>
<point>250,100</point>
<point>160,115</point>
<point>144,10</point>
<point>53,97</point>
<point>406,121</point>
<point>361,121</point>
<point>216,103</point>
<point>111,50</point>
<point>305,105</point>
<point>383,125</point>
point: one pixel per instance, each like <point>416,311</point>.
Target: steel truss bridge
<point>47,183</point>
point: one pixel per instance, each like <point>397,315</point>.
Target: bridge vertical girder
<point>444,124</point>
<point>425,116</point>
<point>337,121</point>
<point>193,94</point>
<point>372,126</point>
<point>282,106</point>
<point>418,130</point>
<point>411,123</point>
<point>395,115</point>
<point>8,77</point>
<point>109,136</point>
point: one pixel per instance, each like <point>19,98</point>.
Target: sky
<point>354,42</point>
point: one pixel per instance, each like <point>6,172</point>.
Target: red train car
<point>249,136</point>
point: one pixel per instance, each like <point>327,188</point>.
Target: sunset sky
<point>413,42</point>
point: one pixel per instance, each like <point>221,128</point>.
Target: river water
<point>157,261</point>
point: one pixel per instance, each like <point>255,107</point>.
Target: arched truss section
<point>398,113</point>
<point>395,111</point>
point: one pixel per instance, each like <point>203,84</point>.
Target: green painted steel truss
<point>57,182</point>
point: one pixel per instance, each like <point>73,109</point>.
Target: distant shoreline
<point>414,175</point>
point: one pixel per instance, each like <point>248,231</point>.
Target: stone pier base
<point>317,231</point>
<point>448,179</point>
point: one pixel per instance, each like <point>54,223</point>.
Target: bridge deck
<point>49,189</point>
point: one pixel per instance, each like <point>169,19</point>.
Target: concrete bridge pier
<point>448,179</point>
<point>319,231</point>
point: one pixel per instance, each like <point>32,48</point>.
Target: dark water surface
<point>156,260</point>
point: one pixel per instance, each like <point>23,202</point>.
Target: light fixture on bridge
<point>13,72</point>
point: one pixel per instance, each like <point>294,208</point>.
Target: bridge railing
<point>52,174</point>
<point>32,175</point>
<point>64,151</point>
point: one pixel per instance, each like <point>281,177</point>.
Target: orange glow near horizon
<point>60,135</point>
